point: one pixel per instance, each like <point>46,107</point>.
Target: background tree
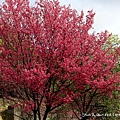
<point>49,59</point>
<point>114,42</point>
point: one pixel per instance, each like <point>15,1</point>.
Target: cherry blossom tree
<point>48,57</point>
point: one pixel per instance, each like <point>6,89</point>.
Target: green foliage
<point>112,107</point>
<point>112,42</point>
<point>1,42</point>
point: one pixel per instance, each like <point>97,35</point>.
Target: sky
<point>107,12</point>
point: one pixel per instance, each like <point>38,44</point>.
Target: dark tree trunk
<point>39,117</point>
<point>46,112</point>
<point>35,114</point>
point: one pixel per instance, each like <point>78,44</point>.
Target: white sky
<point>107,12</point>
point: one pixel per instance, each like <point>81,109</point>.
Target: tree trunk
<point>35,114</point>
<point>46,112</point>
<point>39,117</point>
